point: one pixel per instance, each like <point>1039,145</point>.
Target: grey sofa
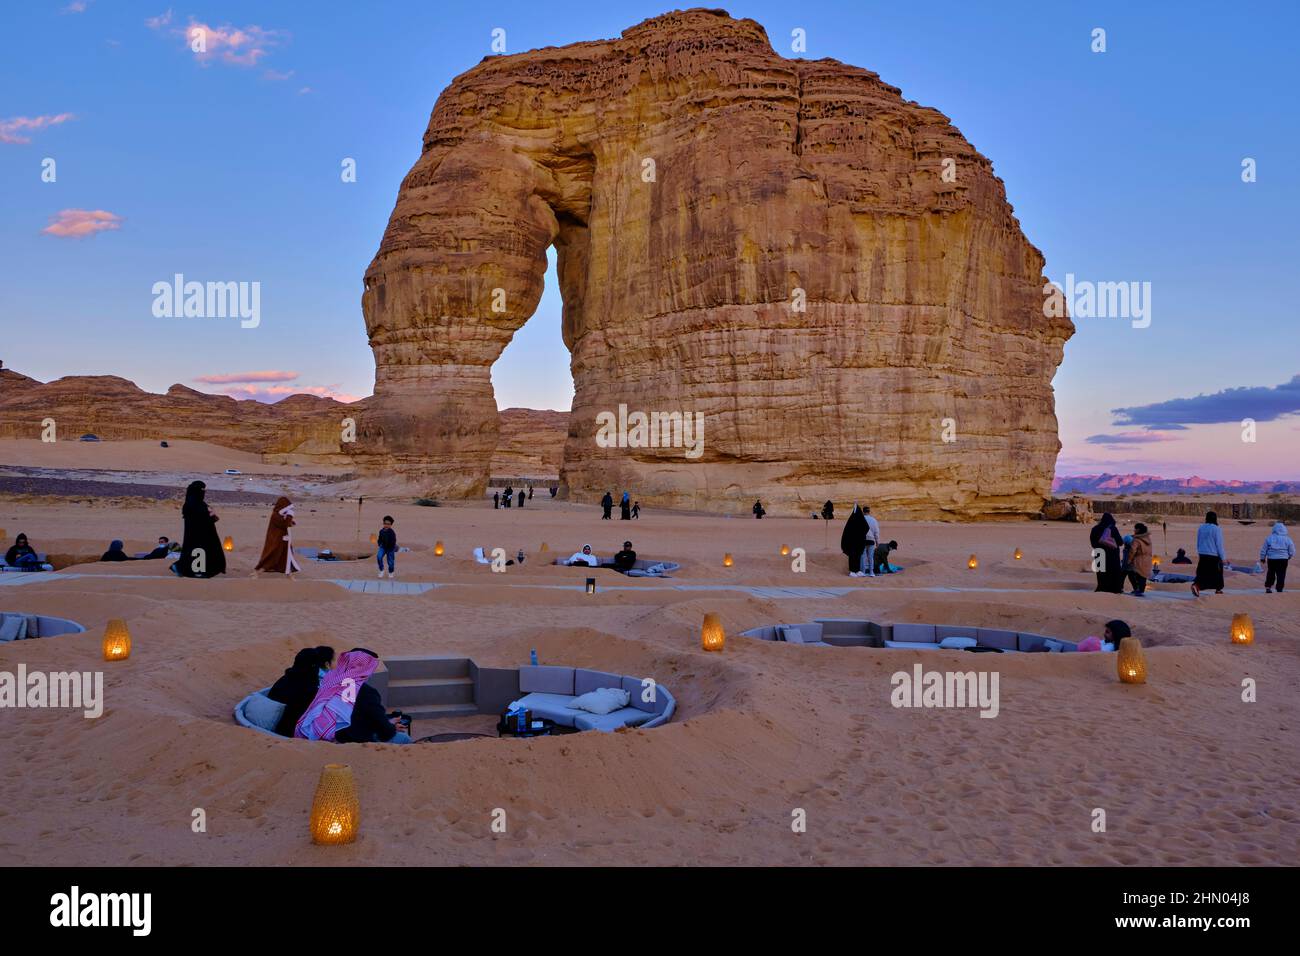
<point>40,556</point>
<point>549,690</point>
<point>840,632</point>
<point>640,568</point>
<point>17,626</point>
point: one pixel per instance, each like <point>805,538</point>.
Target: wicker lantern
<point>1131,664</point>
<point>335,811</point>
<point>117,640</point>
<point>1155,562</point>
<point>374,539</point>
<point>785,549</point>
<point>228,544</point>
<point>543,548</point>
<point>1243,629</point>
<point>1019,554</point>
<point>727,560</point>
<point>438,549</point>
<point>712,636</point>
<point>972,562</point>
<point>591,585</point>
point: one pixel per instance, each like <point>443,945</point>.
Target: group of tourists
<point>861,542</point>
<point>627,508</point>
<point>624,560</point>
<point>324,700</point>
<point>1118,557</point>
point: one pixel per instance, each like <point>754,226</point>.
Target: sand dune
<point>1187,773</point>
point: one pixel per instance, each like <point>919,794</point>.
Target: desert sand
<point>1186,772</point>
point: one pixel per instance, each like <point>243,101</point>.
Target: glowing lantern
<point>228,544</point>
<point>117,641</point>
<point>1131,664</point>
<point>335,810</point>
<point>591,585</point>
<point>727,560</point>
<point>1155,562</point>
<point>544,548</point>
<point>712,636</point>
<point>1243,629</point>
<point>972,562</point>
<point>438,549</point>
<point>374,539</point>
<point>1019,554</point>
<point>785,549</point>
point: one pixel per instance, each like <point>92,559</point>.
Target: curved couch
<point>548,691</point>
<point>640,568</point>
<point>16,626</point>
<point>840,632</point>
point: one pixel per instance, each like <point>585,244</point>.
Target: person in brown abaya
<point>277,553</point>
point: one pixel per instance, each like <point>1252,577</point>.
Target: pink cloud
<point>236,378</point>
<point>79,223</point>
<point>10,129</point>
<point>77,6</point>
<point>234,46</point>
<point>273,393</point>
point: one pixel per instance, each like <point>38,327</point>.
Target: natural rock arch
<point>772,179</point>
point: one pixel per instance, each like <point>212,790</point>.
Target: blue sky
<point>1122,166</point>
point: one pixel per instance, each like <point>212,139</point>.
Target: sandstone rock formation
<point>115,408</point>
<point>530,444</point>
<point>771,243</point>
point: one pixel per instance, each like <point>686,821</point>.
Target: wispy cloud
<point>231,45</point>
<point>76,6</point>
<point>255,386</point>
<point>80,223</point>
<point>239,378</point>
<point>1130,438</point>
<point>13,130</point>
<point>304,91</point>
<point>1260,402</point>
<point>273,393</point>
<point>277,75</point>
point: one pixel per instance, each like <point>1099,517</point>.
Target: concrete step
<point>429,712</point>
<point>426,668</point>
<point>413,692</point>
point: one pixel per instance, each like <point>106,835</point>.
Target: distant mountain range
<point>1108,484</point>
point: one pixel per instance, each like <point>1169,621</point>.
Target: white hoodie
<point>1278,545</point>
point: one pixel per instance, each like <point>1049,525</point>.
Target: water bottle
<point>522,721</point>
<point>533,655</point>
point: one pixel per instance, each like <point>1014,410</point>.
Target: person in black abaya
<point>853,539</point>
<point>1106,535</point>
<point>200,535</point>
<point>298,687</point>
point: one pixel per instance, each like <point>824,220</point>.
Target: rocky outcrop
<point>115,408</point>
<point>530,443</point>
<point>829,274</point>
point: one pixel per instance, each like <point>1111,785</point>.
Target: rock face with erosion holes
<point>829,274</point>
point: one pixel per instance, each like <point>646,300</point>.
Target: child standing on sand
<point>387,547</point>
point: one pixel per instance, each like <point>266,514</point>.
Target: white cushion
<point>957,643</point>
<point>263,712</point>
<point>603,700</point>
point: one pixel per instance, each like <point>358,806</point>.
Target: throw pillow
<point>263,712</point>
<point>603,700</point>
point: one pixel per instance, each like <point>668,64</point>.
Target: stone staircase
<point>430,687</point>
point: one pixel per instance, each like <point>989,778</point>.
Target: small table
<point>537,727</point>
